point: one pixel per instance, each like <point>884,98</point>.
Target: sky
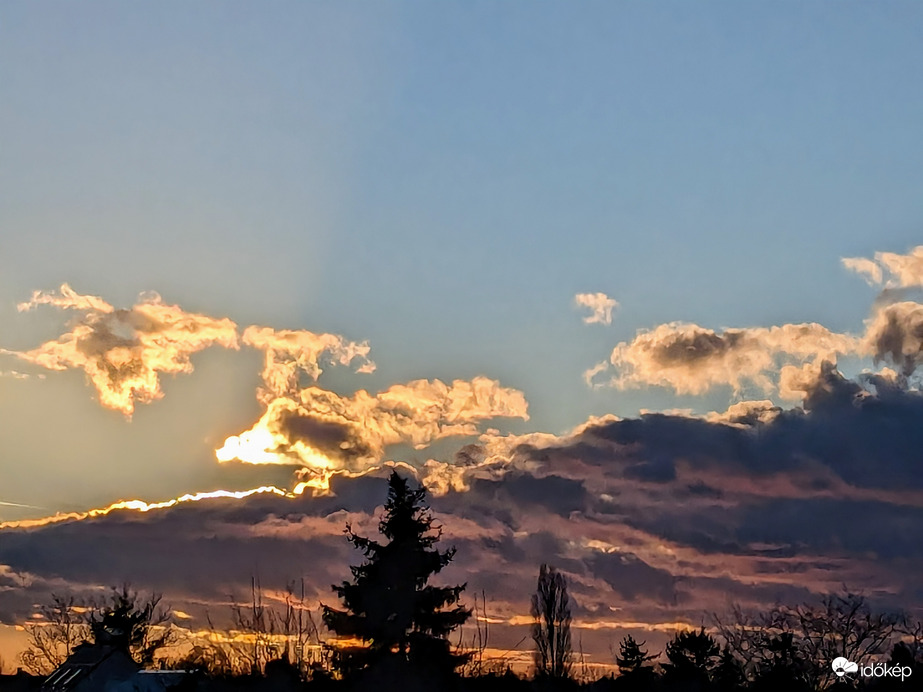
<point>632,288</point>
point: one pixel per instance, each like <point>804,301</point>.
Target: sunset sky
<point>634,288</point>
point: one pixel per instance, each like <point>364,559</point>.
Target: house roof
<point>84,660</point>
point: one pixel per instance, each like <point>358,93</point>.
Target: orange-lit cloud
<point>890,268</point>
<point>66,299</point>
<point>124,352</point>
<point>691,359</point>
<point>321,430</point>
<point>748,413</point>
<point>600,305</point>
<point>141,506</point>
<point>491,457</point>
<point>288,353</point>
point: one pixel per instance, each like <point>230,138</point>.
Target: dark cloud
<point>332,439</point>
<point>632,578</point>
<point>895,334</point>
<point>866,434</point>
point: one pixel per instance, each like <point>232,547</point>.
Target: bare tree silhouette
<point>551,626</point>
<point>62,625</point>
<point>806,638</point>
<point>125,619</point>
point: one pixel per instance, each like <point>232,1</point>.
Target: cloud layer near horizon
<point>656,519</point>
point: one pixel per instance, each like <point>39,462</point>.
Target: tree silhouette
<point>782,665</point>
<point>692,655</point>
<point>728,675</point>
<point>61,627</point>
<point>138,624</point>
<point>388,604</point>
<point>801,641</point>
<point>135,624</point>
<point>632,656</point>
<point>633,674</point>
<point>551,626</point>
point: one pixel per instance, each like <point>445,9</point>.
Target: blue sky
<point>441,179</point>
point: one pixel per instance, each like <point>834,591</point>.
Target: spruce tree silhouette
<point>632,655</point>
<point>633,674</point>
<point>402,621</point>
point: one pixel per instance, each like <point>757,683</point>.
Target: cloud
<point>124,352</point>
<point>289,353</point>
<point>599,304</point>
<point>691,359</point>
<point>848,433</point>
<point>66,299</point>
<point>16,375</point>
<point>135,505</point>
<point>321,430</point>
<point>199,553</point>
<point>894,334</point>
<point>749,413</point>
<point>902,271</point>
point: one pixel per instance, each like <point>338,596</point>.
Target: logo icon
<point>842,666</point>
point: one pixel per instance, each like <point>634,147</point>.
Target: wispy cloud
<point>290,353</point>
<point>600,306</point>
<point>890,269</point>
<point>19,504</point>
